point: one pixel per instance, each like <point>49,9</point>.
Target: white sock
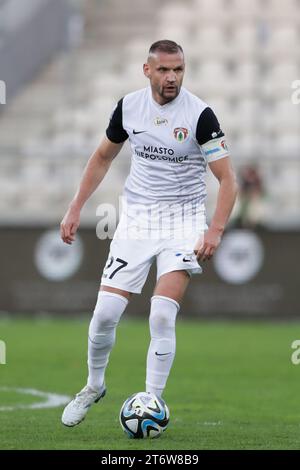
<point>162,347</point>
<point>102,334</point>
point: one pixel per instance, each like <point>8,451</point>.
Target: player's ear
<point>146,69</point>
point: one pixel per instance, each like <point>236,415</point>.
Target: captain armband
<point>215,149</point>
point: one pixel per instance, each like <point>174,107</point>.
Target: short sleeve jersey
<point>171,145</point>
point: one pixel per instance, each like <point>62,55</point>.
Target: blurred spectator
<point>251,206</point>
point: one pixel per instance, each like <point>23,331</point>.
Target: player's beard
<point>171,93</point>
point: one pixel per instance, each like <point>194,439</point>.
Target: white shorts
<point>131,256</point>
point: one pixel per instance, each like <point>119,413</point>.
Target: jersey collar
<point>167,106</point>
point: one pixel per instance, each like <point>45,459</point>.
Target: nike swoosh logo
<point>163,354</point>
<point>138,132</point>
<point>186,260</point>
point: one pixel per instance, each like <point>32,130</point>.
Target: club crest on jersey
<point>180,134</point>
<point>159,121</point>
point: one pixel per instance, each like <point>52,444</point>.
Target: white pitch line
<point>52,400</point>
<point>212,423</point>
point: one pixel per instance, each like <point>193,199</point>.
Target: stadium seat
<point>212,42</point>
<point>282,42</point>
<point>245,79</point>
<point>277,83</point>
<point>287,146</point>
<point>289,10</point>
<point>247,115</point>
<point>248,145</point>
<point>211,10</point>
<point>214,78</point>
<point>245,9</point>
<point>178,33</point>
<point>244,42</point>
<point>104,83</point>
<point>171,13</point>
<point>137,50</point>
<point>285,117</point>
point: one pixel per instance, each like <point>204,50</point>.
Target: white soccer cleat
<point>77,409</point>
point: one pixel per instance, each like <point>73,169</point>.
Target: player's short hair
<point>165,45</point>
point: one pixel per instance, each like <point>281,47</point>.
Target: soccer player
<point>173,136</point>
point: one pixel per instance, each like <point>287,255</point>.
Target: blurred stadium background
<point>63,66</point>
<point>65,63</point>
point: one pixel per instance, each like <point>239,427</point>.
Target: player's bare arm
<point>95,170</point>
<point>223,171</point>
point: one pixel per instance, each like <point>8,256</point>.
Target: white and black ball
<point>144,415</point>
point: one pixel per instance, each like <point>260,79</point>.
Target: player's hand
<point>206,246</point>
<point>69,225</point>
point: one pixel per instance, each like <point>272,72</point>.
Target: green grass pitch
<point>232,386</point>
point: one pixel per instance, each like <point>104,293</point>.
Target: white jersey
<point>165,191</point>
<point>171,145</point>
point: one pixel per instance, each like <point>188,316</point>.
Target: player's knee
<point>163,313</point>
<point>160,320</point>
<point>105,320</point>
<point>108,310</point>
<point>102,328</point>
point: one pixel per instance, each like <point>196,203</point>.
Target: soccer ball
<point>143,415</point>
